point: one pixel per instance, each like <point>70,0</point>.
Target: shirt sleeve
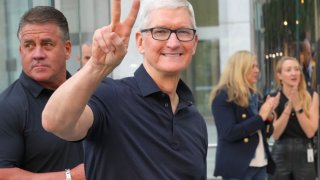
<point>11,137</point>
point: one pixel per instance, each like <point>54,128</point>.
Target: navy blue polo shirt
<point>136,136</point>
<point>23,141</point>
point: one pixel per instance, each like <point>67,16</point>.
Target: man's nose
<point>38,53</point>
<point>173,40</point>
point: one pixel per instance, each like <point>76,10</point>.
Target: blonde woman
<point>296,124</point>
<point>242,149</point>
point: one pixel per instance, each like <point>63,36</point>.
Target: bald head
<point>306,52</point>
<point>86,53</point>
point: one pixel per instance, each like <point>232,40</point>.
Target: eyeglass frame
<point>171,31</point>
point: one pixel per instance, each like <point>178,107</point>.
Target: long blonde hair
<point>233,79</point>
<point>302,87</point>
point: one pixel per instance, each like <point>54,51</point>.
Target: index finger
<point>116,12</point>
<point>133,14</point>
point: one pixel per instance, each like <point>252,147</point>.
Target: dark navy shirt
<point>135,135</point>
<point>23,141</point>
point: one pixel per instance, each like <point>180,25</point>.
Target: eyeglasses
<point>163,34</point>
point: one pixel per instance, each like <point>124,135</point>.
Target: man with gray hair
<point>142,127</point>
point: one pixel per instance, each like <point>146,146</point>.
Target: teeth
<point>172,54</point>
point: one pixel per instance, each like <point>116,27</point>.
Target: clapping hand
<point>270,104</point>
<point>294,98</point>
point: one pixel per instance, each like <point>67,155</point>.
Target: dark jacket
<point>237,137</point>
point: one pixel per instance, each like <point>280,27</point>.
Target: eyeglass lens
<point>163,34</point>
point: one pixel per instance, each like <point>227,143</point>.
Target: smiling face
<point>44,53</point>
<point>289,73</point>
<point>171,56</point>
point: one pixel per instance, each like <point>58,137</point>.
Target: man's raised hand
<point>110,43</point>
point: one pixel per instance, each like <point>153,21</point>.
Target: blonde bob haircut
<point>304,95</point>
<point>233,79</point>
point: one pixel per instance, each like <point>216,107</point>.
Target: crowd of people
<point>55,125</point>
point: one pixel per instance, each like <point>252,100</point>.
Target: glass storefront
<point>281,27</point>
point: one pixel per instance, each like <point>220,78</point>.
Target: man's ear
<point>139,42</point>
<point>195,44</point>
<point>68,49</point>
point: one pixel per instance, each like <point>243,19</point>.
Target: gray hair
<point>148,6</point>
<point>45,14</point>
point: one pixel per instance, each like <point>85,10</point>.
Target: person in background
<point>242,127</point>
<point>86,53</point>
<point>142,127</point>
<point>308,68</point>
<point>27,151</point>
<point>295,125</point>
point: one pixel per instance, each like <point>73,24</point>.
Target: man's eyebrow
<point>26,40</point>
<point>46,40</point>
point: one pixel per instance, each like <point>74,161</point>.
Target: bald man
<point>85,54</point>
<point>307,66</point>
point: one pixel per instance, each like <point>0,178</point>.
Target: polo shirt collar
<point>32,86</point>
<point>145,83</point>
<point>147,86</point>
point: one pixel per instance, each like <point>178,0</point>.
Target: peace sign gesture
<point>110,43</point>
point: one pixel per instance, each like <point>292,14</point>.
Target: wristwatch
<point>299,111</point>
<point>68,174</point>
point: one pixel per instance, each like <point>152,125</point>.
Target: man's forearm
<point>77,173</point>
<point>66,108</point>
<point>17,173</point>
